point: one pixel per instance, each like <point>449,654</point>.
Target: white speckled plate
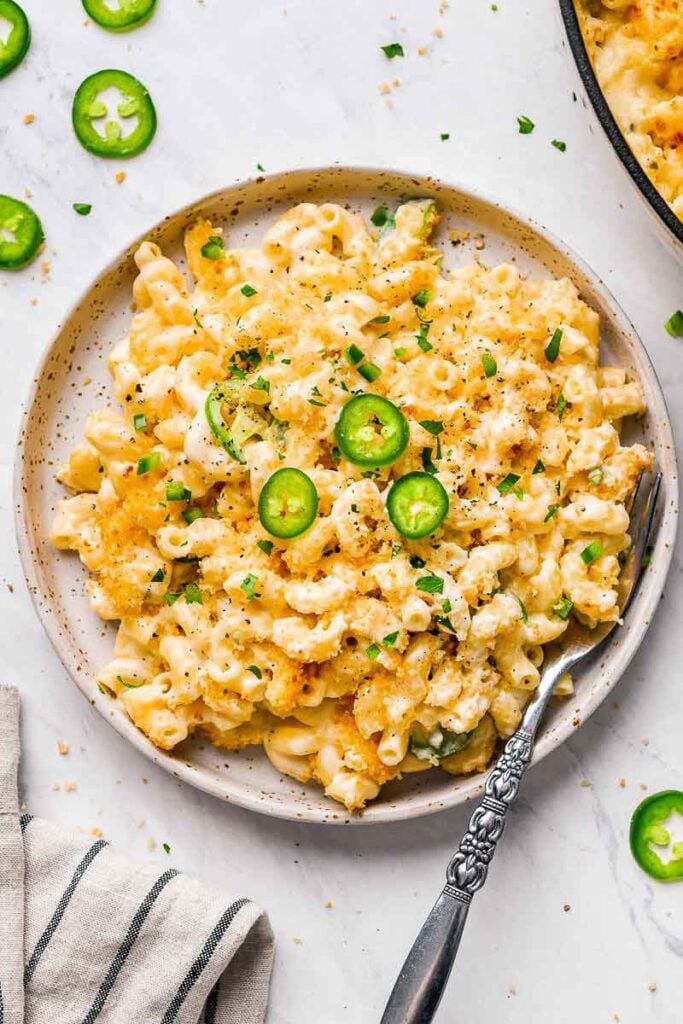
<point>60,401</point>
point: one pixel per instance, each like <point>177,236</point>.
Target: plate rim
<point>375,814</point>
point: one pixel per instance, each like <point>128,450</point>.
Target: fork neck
<point>549,679</point>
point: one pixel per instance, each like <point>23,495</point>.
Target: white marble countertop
<point>567,928</point>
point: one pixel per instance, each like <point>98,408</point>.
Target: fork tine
<point>644,508</point>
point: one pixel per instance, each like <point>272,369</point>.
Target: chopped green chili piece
<point>191,515</point>
<point>591,552</point>
<point>158,576</point>
<point>559,144</point>
<point>265,545</point>
<point>248,585</point>
<point>507,483</point>
<point>247,290</point>
<point>552,509</point>
<point>430,584</point>
<point>392,50</point>
<point>370,371</point>
<point>526,125</point>
<point>125,16</point>
<point>421,298</point>
<point>354,354</point>
<point>380,216</point>
<point>148,462</point>
<point>175,491</point>
<point>648,830</point>
<point>139,421</point>
<point>372,652</point>
<point>562,404</point>
<point>596,475</point>
<point>82,208</point>
<point>552,350</point>
<point>399,352</point>
<point>563,608</point>
<point>88,108</point>
<point>433,426</point>
<point>384,318</point>
<point>538,468</point>
<point>193,594</point>
<point>674,325</point>
<point>489,364</point>
<point>390,639</point>
<point>255,671</point>
<point>213,248</point>
<point>21,234</point>
<point>170,598</point>
<point>424,344</point>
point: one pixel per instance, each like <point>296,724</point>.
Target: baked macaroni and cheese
<point>637,51</point>
<point>348,499</point>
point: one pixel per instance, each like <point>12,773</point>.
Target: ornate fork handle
<point>424,974</point>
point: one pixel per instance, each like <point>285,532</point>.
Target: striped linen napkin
<point>87,935</point>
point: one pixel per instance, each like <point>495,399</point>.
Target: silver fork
<point>420,985</point>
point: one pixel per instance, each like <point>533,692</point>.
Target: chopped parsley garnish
<point>328,297</point>
<point>526,125</point>
<point>139,421</point>
<point>445,136</point>
<point>247,290</point>
<point>193,594</point>
<point>444,621</point>
<point>383,318</point>
<point>552,350</point>
<point>213,248</point>
<point>647,557</point>
<point>591,552</point>
<point>422,341</point>
<point>248,585</point>
<point>417,562</point>
<point>552,509</point>
<point>392,50</point>
<point>562,404</point>
<point>82,208</point>
<point>261,384</point>
<point>166,847</point>
<point>158,576</point>
<point>354,355</point>
<point>260,167</point>
<point>399,352</point>
<point>314,401</point>
<point>674,325</point>
<point>421,298</point>
<point>430,584</point>
<point>170,598</point>
<point>372,652</point>
<point>148,462</point>
<point>427,463</point>
<point>525,615</point>
<point>538,468</point>
<point>176,492</point>
<point>255,671</point>
<point>563,608</point>
<point>559,144</point>
<point>489,364</point>
<point>507,483</point>
<point>390,639</point>
<point>370,371</point>
<point>433,426</point>
<point>190,515</point>
<point>265,545</point>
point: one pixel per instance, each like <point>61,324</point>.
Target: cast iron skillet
<point>612,129</point>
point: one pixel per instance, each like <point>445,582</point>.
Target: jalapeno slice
<point>127,15</point>
<point>21,234</point>
<point>15,47</point>
<point>417,504</point>
<point>88,109</point>
<point>288,503</point>
<point>246,421</point>
<point>371,431</point>
<point>648,830</point>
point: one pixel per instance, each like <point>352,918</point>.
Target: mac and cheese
<point>352,653</point>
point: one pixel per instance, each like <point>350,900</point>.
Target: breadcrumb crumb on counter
<point>120,177</point>
<point>62,748</point>
<point>29,118</point>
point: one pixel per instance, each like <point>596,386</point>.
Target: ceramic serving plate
<point>61,400</point>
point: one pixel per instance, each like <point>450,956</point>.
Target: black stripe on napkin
<point>54,921</point>
<point>25,820</point>
<point>202,960</point>
<point>2,1007</point>
<point>124,949</point>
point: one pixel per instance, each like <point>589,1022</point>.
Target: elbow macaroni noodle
<point>637,52</point>
<point>326,648</point>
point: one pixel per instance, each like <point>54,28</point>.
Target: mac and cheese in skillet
<point>348,499</point>
<point>637,51</point>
